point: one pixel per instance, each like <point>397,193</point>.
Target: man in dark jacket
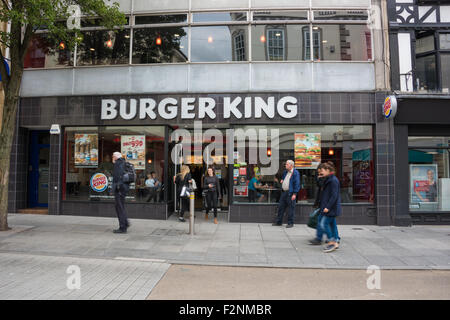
<point>120,192</point>
<point>290,186</point>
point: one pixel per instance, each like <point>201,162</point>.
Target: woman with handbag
<point>211,186</point>
<point>182,181</point>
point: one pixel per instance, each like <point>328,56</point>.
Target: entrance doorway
<point>38,169</point>
<point>198,168</point>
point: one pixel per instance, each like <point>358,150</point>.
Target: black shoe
<point>120,231</point>
<point>181,219</point>
<point>315,242</point>
<point>289,226</point>
<point>276,224</point>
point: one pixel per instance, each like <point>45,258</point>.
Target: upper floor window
<point>275,44</point>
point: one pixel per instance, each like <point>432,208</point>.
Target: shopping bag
<point>313,217</point>
<point>185,192</point>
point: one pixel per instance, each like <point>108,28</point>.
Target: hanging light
<point>331,152</point>
<point>210,39</point>
<point>269,152</point>
<point>158,41</point>
<point>62,46</point>
<point>109,43</point>
<point>263,38</point>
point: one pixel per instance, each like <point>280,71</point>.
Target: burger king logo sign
<point>390,107</point>
<point>99,182</point>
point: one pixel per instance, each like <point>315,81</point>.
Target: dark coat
<point>320,183</point>
<point>180,183</point>
<point>294,182</point>
<point>118,172</point>
<point>207,180</point>
<point>330,197</point>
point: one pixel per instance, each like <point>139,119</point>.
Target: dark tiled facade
<point>359,108</point>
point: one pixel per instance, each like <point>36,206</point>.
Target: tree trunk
<point>6,140</point>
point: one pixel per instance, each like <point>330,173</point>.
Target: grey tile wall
<point>18,178</point>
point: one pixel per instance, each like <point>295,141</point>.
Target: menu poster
<point>423,183</point>
<point>133,149</point>
<point>307,150</point>
<point>241,191</point>
<point>86,150</point>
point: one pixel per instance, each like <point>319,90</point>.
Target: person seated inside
<point>254,185</point>
<point>154,187</point>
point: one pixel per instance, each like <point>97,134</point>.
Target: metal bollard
<point>191,213</point>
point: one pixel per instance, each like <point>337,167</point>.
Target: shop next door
<point>38,169</point>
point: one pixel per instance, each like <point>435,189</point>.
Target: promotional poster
<point>307,150</point>
<point>133,149</point>
<point>86,150</point>
<point>423,183</point>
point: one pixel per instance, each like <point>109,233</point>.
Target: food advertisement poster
<point>307,150</point>
<point>240,191</point>
<point>133,150</point>
<point>423,183</point>
<point>86,150</point>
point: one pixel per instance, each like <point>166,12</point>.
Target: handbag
<point>313,217</point>
<point>185,192</point>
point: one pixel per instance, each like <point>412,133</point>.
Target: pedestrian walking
<point>330,208</point>
<point>120,189</point>
<point>290,186</point>
<point>212,190</point>
<point>183,179</point>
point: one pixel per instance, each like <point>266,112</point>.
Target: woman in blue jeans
<point>330,206</point>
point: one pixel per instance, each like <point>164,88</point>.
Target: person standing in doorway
<point>120,192</point>
<point>290,186</point>
<point>212,186</point>
<point>183,179</point>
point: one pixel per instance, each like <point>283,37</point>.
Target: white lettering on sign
<point>193,108</point>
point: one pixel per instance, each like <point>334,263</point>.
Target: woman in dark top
<point>184,178</point>
<point>212,187</point>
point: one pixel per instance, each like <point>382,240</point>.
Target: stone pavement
<point>226,244</point>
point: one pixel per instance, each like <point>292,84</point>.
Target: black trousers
<point>184,206</point>
<point>211,202</point>
<point>119,197</point>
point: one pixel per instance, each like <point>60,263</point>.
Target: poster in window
<point>133,149</point>
<point>71,157</point>
<point>86,150</point>
<point>423,183</point>
<point>240,191</point>
<point>307,150</point>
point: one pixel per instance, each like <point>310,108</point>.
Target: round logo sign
<point>99,182</point>
<point>390,107</point>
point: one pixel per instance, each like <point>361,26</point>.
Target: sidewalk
<point>226,244</point>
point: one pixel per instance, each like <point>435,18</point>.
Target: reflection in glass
<point>428,141</point>
<point>219,17</point>
<point>425,44</point>
<point>343,42</point>
<point>168,18</point>
<point>444,39</point>
<point>341,15</point>
<point>104,48</point>
<point>280,15</point>
<point>426,73</point>
<point>44,52</point>
<point>278,42</point>
<point>160,45</point>
<point>445,67</point>
<point>219,43</point>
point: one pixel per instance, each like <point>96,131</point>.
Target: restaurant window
<point>350,148</point>
<point>214,43</point>
<point>102,47</point>
<point>88,167</point>
<point>429,178</point>
<point>277,43</point>
<point>160,45</point>
<point>44,52</point>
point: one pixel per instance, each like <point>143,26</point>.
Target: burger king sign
<point>390,107</point>
<point>99,182</point>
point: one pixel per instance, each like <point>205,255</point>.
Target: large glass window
<point>278,42</point>
<point>160,45</point>
<point>429,179</point>
<point>44,52</point>
<point>350,148</point>
<point>219,17</point>
<point>103,47</point>
<point>215,43</point>
<point>445,65</point>
<point>87,173</point>
<point>426,73</point>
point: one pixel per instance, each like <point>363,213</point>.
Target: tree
<point>25,18</point>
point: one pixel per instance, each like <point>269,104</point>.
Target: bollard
<point>191,213</point>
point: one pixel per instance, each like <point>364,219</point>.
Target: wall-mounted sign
<point>86,150</point>
<point>307,150</point>
<point>99,182</point>
<point>199,108</point>
<point>390,107</point>
<point>55,129</point>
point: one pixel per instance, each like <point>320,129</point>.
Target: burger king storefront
<point>243,136</point>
